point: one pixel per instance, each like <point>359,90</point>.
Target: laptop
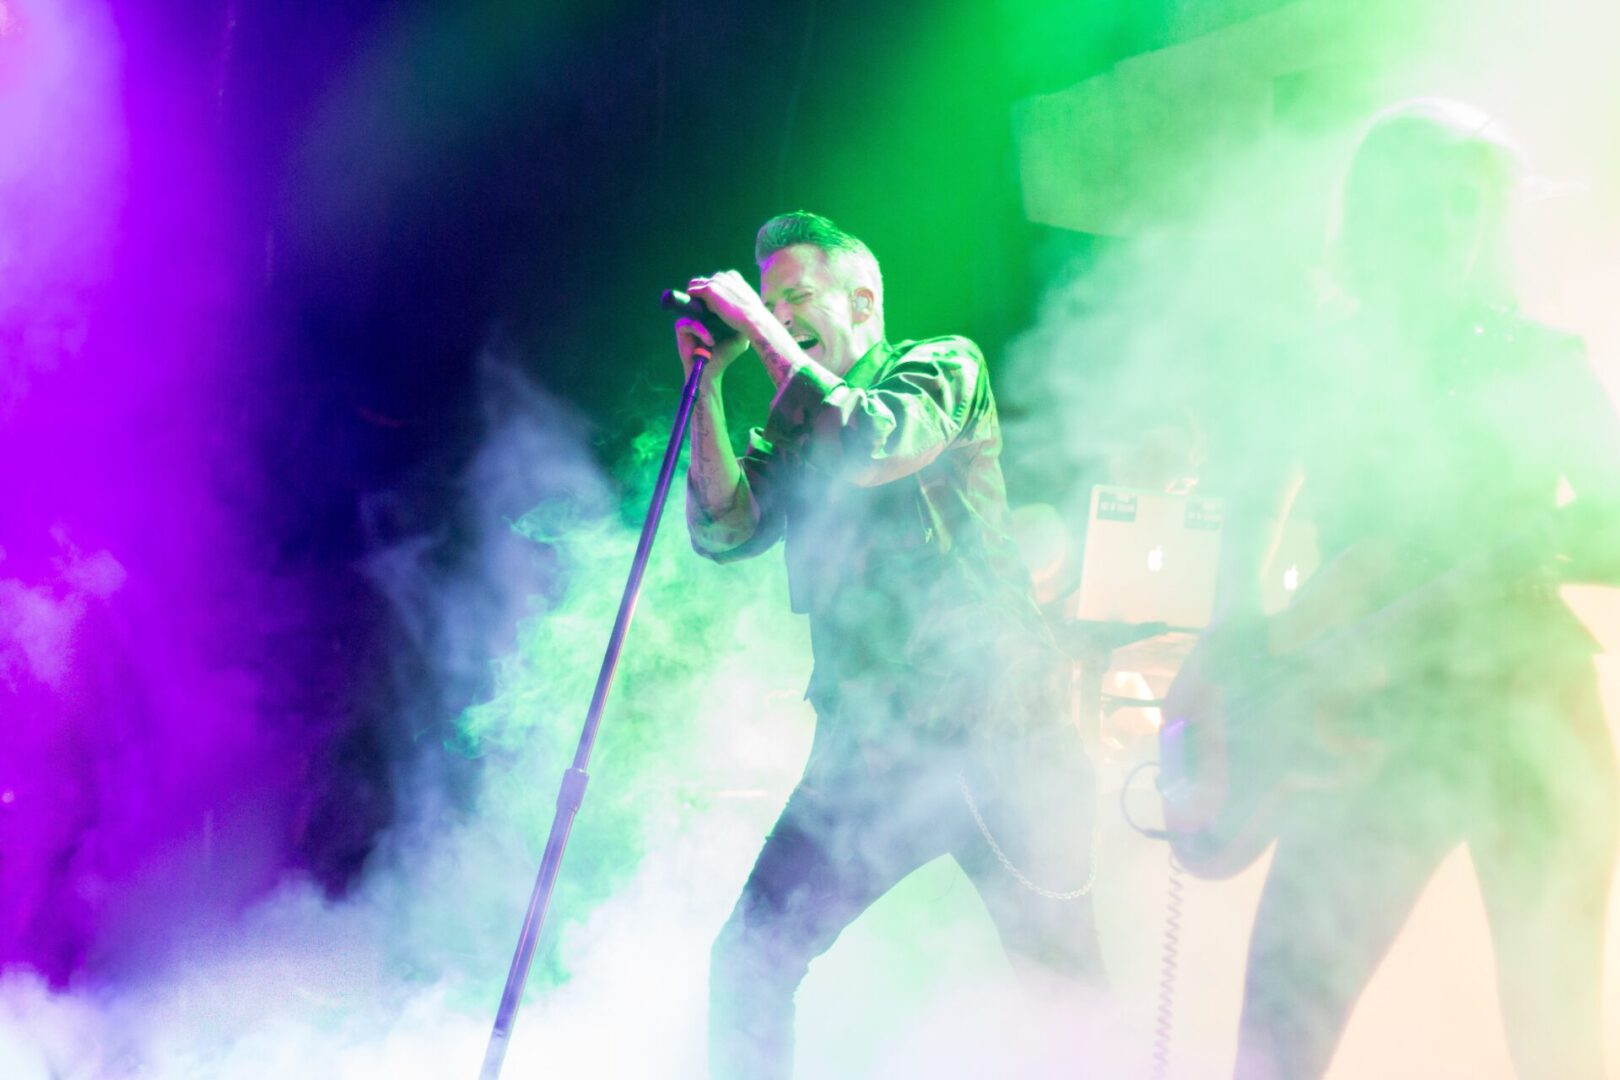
<point>1293,560</point>
<point>1150,557</point>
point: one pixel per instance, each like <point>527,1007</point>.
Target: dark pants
<point>857,824</point>
<point>1525,776</point>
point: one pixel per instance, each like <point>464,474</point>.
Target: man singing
<point>937,726</point>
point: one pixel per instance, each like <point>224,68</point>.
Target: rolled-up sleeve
<point>754,521</point>
<point>895,427</point>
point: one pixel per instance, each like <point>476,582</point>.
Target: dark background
<point>413,185</point>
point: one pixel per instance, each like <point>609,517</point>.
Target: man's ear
<point>864,303</point>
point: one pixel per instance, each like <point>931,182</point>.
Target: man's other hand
<point>689,334</point>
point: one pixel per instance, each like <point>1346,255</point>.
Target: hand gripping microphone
<point>681,304</point>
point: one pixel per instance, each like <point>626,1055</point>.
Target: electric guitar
<point>1256,716</point>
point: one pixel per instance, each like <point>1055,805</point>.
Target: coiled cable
<point>1170,950</point>
<point>1169,960</point>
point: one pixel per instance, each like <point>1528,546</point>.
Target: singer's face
<point>809,297</point>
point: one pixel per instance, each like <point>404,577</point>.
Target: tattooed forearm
<point>782,357</point>
<point>777,365</point>
<point>714,468</point>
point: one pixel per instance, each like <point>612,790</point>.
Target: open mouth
<point>806,341</point>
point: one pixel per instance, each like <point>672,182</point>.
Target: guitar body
<point>1242,735</point>
<point>1215,806</point>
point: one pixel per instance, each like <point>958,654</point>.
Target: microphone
<point>676,301</point>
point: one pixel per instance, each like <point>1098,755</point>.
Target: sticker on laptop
<point>1204,515</point>
<point>1116,506</point>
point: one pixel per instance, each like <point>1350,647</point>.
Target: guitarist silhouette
<point>1428,688</point>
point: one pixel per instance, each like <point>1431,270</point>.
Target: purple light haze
<point>132,752</point>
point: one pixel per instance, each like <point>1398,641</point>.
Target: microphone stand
<point>572,791</point>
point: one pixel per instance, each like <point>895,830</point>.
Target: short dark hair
<point>852,258</point>
<point>803,227</point>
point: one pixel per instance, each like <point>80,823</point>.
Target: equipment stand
<point>572,791</point>
<point>1091,645</point>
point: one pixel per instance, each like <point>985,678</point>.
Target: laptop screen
<point>1291,561</point>
<point>1149,557</point>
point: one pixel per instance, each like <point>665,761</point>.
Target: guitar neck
<point>1411,625</point>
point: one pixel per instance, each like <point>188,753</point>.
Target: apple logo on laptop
<point>1156,558</point>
